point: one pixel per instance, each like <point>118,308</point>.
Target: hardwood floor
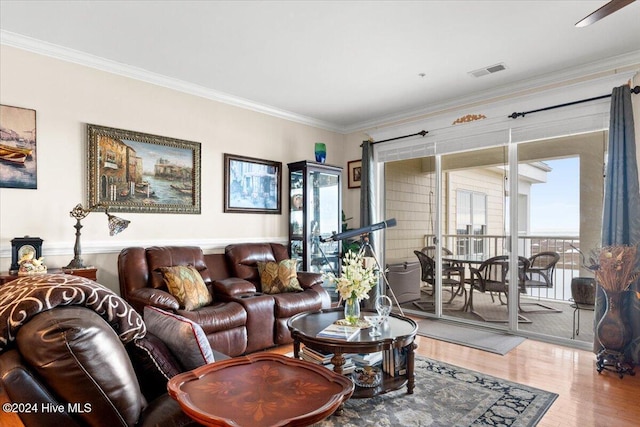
<point>585,398</point>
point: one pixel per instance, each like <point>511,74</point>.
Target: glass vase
<point>352,310</point>
<point>321,152</point>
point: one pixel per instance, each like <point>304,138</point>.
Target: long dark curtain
<point>366,186</point>
<point>621,216</point>
<point>367,208</point>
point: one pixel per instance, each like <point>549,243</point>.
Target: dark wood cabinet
<point>315,213</point>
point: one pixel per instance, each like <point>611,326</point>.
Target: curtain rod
<point>421,133</point>
<point>635,90</point>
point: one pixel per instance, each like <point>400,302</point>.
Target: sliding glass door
<point>475,241</point>
<point>453,241</point>
<point>561,189</point>
<point>411,198</point>
<point>452,213</point>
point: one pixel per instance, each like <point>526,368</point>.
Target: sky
<point>150,154</point>
<point>555,206</point>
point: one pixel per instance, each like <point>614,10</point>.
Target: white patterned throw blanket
<point>27,296</point>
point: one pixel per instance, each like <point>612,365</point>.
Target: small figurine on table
<point>30,265</point>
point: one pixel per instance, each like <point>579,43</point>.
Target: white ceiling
<point>339,65</point>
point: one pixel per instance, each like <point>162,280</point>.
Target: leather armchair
<point>223,322</point>
<point>243,265</point>
<point>69,358</point>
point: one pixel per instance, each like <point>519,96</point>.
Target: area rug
<point>482,339</point>
<point>447,396</point>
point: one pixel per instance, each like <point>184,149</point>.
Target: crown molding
<point>498,110</point>
<point>41,47</point>
<point>594,70</point>
<point>611,65</point>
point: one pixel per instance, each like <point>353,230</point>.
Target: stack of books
<point>316,356</point>
<point>367,359</point>
<point>339,332</point>
<point>323,358</point>
<point>394,361</point>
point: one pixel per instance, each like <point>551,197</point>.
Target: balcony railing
<point>487,246</point>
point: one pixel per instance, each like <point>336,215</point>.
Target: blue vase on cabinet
<point>321,152</point>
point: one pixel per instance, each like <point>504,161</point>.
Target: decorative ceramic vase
<point>352,310</point>
<point>612,330</point>
<point>321,152</point>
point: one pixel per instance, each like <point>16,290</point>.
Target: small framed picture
<point>251,185</point>
<point>355,173</point>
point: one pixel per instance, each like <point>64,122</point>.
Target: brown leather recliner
<point>223,322</point>
<point>243,261</point>
<point>67,367</point>
<point>234,282</point>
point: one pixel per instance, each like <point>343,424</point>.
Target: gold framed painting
<point>137,172</point>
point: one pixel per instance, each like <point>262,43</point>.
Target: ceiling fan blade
<point>605,10</point>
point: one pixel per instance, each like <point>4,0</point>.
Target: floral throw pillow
<point>279,277</point>
<point>186,285</point>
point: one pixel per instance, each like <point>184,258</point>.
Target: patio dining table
<point>466,259</point>
<point>476,260</point>
<point>470,261</point>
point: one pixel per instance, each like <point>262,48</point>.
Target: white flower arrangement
<point>356,280</point>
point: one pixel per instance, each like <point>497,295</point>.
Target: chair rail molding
<point>110,246</point>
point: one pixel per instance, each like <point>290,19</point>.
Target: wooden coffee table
<point>397,333</point>
<point>260,390</point>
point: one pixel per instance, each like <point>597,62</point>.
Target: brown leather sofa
<point>241,319</point>
<point>67,367</point>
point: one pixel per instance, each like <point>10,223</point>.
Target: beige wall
<point>67,96</point>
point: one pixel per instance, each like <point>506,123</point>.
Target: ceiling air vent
<point>488,70</point>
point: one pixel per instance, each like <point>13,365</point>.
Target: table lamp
<point>116,225</point>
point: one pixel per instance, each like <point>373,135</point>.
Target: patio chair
<point>452,277</point>
<point>540,274</point>
<point>541,270</point>
<point>583,295</point>
<point>493,276</point>
<point>430,251</point>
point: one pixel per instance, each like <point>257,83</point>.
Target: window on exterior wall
<point>471,220</point>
